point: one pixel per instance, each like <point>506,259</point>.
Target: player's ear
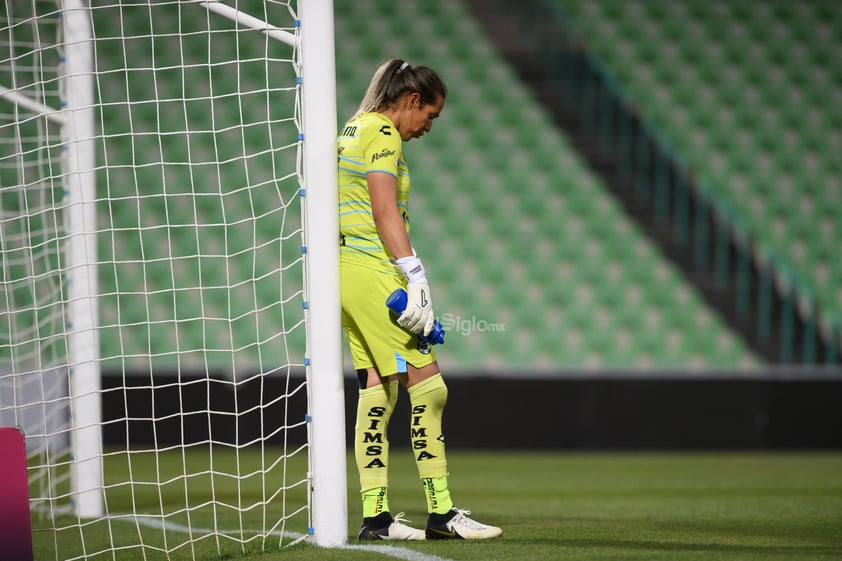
<point>413,100</point>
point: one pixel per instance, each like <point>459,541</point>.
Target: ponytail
<point>394,78</point>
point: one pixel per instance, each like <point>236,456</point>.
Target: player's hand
<point>418,317</point>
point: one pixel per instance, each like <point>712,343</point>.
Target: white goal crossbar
<point>252,22</point>
<point>20,100</point>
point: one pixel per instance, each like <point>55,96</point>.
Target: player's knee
<point>432,391</point>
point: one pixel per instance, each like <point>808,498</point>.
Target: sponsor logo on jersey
<point>384,153</point>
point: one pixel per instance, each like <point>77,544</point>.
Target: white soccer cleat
<point>455,525</point>
<point>392,529</point>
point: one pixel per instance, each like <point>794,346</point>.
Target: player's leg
<point>428,397</point>
<point>375,405</point>
<point>377,398</point>
<point>374,409</point>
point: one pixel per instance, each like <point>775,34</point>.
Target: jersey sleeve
<point>382,150</point>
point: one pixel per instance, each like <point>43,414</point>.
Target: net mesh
<point>199,266</point>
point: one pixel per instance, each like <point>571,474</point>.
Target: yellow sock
<point>428,399</point>
<point>437,494</point>
<point>371,445</point>
<point>375,501</point>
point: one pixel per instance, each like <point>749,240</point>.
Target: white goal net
<point>160,240</point>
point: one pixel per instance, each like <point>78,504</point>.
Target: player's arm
<point>383,191</point>
<point>418,316</point>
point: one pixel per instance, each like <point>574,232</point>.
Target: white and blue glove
<point>418,317</point>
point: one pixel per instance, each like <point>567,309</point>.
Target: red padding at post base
<point>15,528</point>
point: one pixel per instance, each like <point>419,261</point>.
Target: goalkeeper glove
<point>418,317</point>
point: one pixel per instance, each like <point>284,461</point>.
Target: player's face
<point>420,119</point>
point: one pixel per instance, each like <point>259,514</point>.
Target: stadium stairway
<point>715,242</point>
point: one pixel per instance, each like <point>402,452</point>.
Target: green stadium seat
<point>771,66</point>
<point>539,245</point>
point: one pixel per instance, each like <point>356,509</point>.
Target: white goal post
<point>322,203</point>
<point>168,232</point>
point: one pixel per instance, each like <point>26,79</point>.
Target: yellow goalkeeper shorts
<point>374,337</point>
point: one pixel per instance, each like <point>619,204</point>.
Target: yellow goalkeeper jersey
<point>368,143</point>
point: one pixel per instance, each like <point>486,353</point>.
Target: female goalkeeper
<point>376,258</point>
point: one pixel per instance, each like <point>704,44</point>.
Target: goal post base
<point>15,528</point>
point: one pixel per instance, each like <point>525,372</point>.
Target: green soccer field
<point>551,505</point>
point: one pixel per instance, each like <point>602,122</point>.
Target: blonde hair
<point>396,77</point>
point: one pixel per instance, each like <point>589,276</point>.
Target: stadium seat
<point>764,117</point>
<point>518,234</point>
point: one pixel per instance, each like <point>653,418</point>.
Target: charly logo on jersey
<point>384,153</point>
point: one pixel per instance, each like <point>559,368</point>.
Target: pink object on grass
<point>15,528</point>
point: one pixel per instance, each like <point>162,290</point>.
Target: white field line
<point>398,552</point>
<point>388,550</point>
